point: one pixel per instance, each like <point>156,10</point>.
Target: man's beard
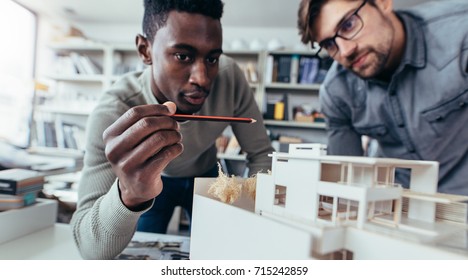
<point>377,66</point>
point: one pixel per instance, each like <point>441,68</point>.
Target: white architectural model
<point>328,207</point>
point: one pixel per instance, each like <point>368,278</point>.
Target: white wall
<point>125,33</point>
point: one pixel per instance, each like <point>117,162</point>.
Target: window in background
<point>17,57</point>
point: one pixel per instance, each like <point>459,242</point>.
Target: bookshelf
<point>76,74</point>
<point>294,91</point>
<point>251,62</point>
<point>124,58</point>
<point>292,81</point>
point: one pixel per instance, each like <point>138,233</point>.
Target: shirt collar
<point>415,46</point>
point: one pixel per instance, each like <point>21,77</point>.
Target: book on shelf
<point>284,69</point>
<point>294,74</point>
<point>295,69</point>
<point>270,111</point>
<point>59,134</point>
<point>79,134</point>
<point>269,69</point>
<point>252,75</point>
<point>73,136</point>
<point>75,57</point>
<point>308,70</point>
<point>17,181</point>
<point>50,134</point>
<point>90,65</point>
<point>82,64</point>
<point>64,65</point>
<point>69,140</point>
<point>250,71</point>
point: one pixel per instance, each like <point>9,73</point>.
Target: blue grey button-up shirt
<point>422,113</point>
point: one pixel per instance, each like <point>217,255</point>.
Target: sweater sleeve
<point>102,225</point>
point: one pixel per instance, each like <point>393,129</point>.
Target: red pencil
<point>181,117</point>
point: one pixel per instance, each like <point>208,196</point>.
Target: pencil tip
<point>254,121</point>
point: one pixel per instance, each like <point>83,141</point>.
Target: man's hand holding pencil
<point>139,145</point>
<point>142,142</point>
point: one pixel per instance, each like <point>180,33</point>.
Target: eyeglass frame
<point>333,39</point>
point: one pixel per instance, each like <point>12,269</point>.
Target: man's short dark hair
<point>156,12</point>
<point>308,11</point>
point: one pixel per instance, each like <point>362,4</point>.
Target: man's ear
<point>385,5</point>
<point>144,49</point>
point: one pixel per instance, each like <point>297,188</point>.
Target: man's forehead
<point>190,31</point>
<point>187,24</point>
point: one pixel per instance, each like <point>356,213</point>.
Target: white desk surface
<point>56,243</point>
<point>52,243</point>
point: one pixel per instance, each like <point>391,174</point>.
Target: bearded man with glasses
<point>399,77</point>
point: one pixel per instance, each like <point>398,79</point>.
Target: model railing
<point>381,185</point>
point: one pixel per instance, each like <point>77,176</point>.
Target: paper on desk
<point>148,246</point>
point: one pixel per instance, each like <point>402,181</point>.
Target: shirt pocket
<point>448,116</point>
<point>379,132</point>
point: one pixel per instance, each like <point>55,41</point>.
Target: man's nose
<point>345,47</point>
<point>199,74</point>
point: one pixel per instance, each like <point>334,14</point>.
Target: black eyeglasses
<point>347,30</point>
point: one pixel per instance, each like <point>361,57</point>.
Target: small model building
<point>314,206</point>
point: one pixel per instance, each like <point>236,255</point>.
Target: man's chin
<point>365,72</point>
<point>364,76</point>
<point>188,110</point>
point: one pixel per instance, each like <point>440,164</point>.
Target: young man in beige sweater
<point>139,162</point>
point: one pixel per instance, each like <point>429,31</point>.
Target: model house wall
<point>338,203</point>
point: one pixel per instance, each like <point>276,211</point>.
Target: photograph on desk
<point>154,250</point>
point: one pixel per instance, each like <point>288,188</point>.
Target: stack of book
<point>295,69</point>
<point>75,63</point>
<point>19,187</point>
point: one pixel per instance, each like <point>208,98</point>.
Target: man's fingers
<point>135,114</point>
<point>153,145</point>
<point>171,106</point>
<point>148,133</point>
<point>164,157</point>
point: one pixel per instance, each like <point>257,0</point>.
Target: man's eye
<point>212,60</point>
<point>182,57</point>
<point>348,25</point>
